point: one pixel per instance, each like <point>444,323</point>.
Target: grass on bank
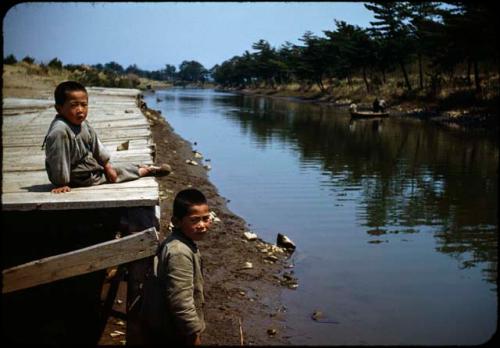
<point>25,80</point>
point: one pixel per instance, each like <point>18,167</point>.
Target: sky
<point>154,34</point>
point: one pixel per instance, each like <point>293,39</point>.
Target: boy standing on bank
<point>180,274</point>
<point>74,155</point>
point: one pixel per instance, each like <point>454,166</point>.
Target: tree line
<point>447,41</point>
<point>112,74</point>
<point>440,38</point>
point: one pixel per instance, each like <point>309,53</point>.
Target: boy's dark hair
<point>185,199</point>
<point>66,87</point>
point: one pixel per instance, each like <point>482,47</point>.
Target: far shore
<point>459,117</point>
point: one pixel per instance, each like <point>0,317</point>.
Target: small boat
<point>368,114</point>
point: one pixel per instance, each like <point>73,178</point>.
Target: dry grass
<point>23,80</point>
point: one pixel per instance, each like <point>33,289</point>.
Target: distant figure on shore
<point>74,155</point>
<point>378,105</point>
<point>172,307</point>
<point>353,107</point>
<point>382,105</point>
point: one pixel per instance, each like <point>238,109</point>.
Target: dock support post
<point>135,220</point>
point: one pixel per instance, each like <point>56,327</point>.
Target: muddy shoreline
<point>233,295</point>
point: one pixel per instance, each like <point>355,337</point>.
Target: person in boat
<point>382,105</point>
<point>379,105</point>
<point>74,154</point>
<point>376,105</point>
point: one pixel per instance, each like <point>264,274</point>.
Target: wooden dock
<point>56,247</point>
<point>115,116</point>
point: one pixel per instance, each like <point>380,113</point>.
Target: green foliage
<point>10,59</point>
<point>29,60</point>
<point>55,64</point>
<point>434,39</point>
<point>170,72</point>
<point>73,67</point>
<point>114,67</point>
<point>192,71</point>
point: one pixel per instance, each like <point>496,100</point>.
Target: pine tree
<point>391,26</point>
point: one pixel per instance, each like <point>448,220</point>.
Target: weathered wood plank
<point>16,142</point>
<point>39,119</point>
<point>109,126</point>
<point>10,103</point>
<point>104,133</point>
<point>36,153</point>
<point>37,165</point>
<point>39,157</point>
<point>88,199</point>
<point>100,256</point>
<point>41,183</point>
<point>109,144</point>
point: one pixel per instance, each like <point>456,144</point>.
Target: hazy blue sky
<point>154,34</point>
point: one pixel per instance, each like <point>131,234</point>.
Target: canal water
<point>395,220</point>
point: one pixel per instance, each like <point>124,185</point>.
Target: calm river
<point>395,221</point>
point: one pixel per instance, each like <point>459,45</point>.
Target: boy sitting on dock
<point>74,155</point>
<point>175,315</point>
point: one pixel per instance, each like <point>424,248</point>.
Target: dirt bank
<point>233,294</point>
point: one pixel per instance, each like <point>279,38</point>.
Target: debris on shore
<point>191,162</point>
<point>250,236</point>
<point>285,242</point>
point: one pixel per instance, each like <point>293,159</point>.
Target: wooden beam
<point>100,256</point>
<point>85,199</point>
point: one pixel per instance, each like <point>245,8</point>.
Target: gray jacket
<point>74,155</point>
<point>180,268</point>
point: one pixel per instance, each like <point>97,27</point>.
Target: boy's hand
<point>110,172</point>
<point>61,189</point>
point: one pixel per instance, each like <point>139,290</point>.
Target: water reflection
<point>403,214</point>
<point>411,174</point>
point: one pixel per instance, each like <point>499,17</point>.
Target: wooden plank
<point>25,117</point>
<point>41,123</point>
<point>44,185</point>
<point>39,154</point>
<point>37,165</point>
<point>39,157</point>
<point>109,126</point>
<point>16,142</point>
<point>10,103</point>
<point>109,144</point>
<point>134,197</point>
<point>46,117</point>
<point>8,138</point>
<point>100,256</point>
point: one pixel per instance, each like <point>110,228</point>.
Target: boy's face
<point>75,107</point>
<point>197,223</point>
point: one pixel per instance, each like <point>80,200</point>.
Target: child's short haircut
<point>66,87</point>
<point>185,199</point>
